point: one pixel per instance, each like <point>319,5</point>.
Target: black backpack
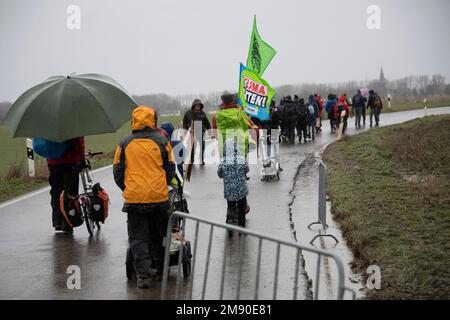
<point>71,210</point>
<point>357,100</point>
<point>99,201</point>
<point>302,113</point>
<point>289,111</point>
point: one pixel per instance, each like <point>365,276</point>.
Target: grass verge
<point>15,182</point>
<point>389,189</point>
<point>405,106</point>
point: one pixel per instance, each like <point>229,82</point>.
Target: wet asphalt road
<point>34,259</point>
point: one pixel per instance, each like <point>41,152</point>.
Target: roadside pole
<point>30,156</point>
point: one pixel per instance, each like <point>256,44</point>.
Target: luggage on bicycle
<point>71,210</point>
<point>49,149</point>
<point>99,200</point>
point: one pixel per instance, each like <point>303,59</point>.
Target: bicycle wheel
<point>89,223</point>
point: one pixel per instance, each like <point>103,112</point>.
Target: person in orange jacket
<point>143,167</point>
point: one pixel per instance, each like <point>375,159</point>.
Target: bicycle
<point>87,183</point>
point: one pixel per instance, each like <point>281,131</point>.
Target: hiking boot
<point>66,228</point>
<point>143,283</point>
<point>57,226</point>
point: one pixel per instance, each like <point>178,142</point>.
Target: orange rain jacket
<point>143,162</point>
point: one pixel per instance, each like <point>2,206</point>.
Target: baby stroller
<point>270,155</point>
<point>177,202</point>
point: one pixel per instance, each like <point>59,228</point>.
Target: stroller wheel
<point>129,268</point>
<point>187,259</point>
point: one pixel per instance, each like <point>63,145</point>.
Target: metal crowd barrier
<point>242,235</point>
<point>322,213</point>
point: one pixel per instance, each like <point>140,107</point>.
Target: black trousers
<point>332,122</point>
<point>290,131</point>
<point>147,227</point>
<point>345,123</point>
<point>375,112</point>
<point>358,114</point>
<point>363,114</point>
<point>62,177</point>
<point>239,207</point>
<point>202,151</point>
<point>301,129</point>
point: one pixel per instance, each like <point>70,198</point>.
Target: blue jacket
<point>330,104</point>
<point>179,152</point>
<point>311,102</point>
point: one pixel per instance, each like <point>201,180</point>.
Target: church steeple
<point>382,79</point>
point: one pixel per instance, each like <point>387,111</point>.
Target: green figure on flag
<point>260,54</point>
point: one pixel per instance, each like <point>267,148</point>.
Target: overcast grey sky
<point>195,46</point>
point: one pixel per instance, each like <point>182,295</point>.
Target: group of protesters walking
<point>303,119</point>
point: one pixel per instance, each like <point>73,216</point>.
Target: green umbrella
<point>62,108</point>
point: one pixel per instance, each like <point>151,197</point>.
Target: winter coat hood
<point>168,127</point>
<point>197,102</point>
<point>143,117</point>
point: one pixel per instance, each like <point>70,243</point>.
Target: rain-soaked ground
<point>34,259</point>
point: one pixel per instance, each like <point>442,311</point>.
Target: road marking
<point>39,191</point>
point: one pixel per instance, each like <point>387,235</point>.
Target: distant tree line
<point>404,89</point>
<point>166,104</point>
<point>407,88</point>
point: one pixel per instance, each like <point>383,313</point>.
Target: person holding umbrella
<point>64,176</point>
<point>64,109</point>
